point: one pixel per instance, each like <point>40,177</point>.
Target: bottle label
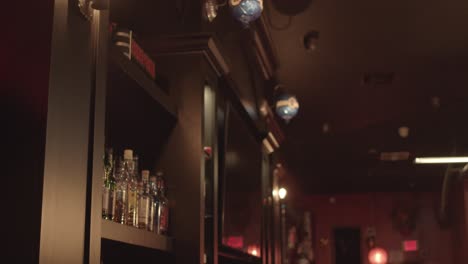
<point>132,218</point>
<point>164,219</point>
<point>143,211</point>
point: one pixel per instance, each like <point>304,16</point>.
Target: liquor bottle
<point>153,220</point>
<point>108,185</point>
<point>120,193</point>
<point>163,208</point>
<point>144,202</point>
<point>132,189</point>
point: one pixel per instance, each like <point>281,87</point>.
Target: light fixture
<point>246,11</point>
<point>378,256</point>
<point>274,193</point>
<point>440,160</point>
<point>282,192</point>
<point>403,131</point>
<point>287,107</point>
<point>211,9</point>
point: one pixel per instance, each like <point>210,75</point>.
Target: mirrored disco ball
<point>287,106</point>
<point>246,11</point>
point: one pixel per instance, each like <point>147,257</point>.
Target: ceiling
<point>422,44</point>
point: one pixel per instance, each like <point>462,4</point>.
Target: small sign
<point>410,245</point>
<point>124,39</point>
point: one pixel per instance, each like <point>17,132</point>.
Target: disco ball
<point>246,11</point>
<point>287,107</point>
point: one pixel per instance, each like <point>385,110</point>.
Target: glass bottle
<point>145,200</point>
<point>120,193</point>
<point>153,221</point>
<point>108,185</point>
<point>132,188</point>
<point>163,208</point>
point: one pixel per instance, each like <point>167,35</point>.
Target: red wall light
<point>410,245</point>
<point>378,256</point>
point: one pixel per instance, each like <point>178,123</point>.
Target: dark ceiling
<point>422,46</point>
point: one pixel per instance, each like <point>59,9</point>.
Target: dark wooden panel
<point>66,162</point>
<point>115,253</point>
<point>133,72</point>
<point>133,236</point>
<point>96,142</point>
<point>183,161</point>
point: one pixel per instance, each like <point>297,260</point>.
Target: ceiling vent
<point>378,78</point>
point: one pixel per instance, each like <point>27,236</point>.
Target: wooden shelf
<point>133,71</point>
<point>133,236</point>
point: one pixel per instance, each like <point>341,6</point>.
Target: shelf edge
<point>133,236</point>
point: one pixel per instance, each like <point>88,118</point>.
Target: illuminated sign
<point>410,245</point>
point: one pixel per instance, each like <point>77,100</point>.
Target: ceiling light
<point>403,132</point>
<point>282,193</point>
<point>211,9</point>
<point>378,256</point>
<point>441,160</point>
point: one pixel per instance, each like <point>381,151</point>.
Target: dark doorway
<point>347,245</point>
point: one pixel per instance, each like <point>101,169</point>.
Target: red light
<point>378,256</point>
<point>235,242</point>
<point>410,245</point>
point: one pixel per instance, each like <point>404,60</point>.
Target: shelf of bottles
<point>135,209</point>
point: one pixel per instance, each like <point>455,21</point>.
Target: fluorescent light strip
<point>440,160</point>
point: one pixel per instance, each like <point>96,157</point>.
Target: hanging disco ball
<point>246,11</point>
<point>287,107</point>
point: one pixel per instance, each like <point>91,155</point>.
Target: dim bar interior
<point>235,132</point>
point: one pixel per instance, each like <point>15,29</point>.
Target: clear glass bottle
<point>120,193</point>
<point>153,221</point>
<point>163,208</point>
<point>132,188</point>
<point>108,185</point>
<point>144,201</point>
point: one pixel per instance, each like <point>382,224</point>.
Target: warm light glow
<point>275,193</point>
<point>378,256</point>
<point>438,160</point>
<point>282,193</point>
<point>253,250</point>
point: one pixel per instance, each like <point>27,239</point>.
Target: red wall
<point>363,210</point>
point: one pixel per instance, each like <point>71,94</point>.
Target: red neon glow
<point>235,241</point>
<point>378,256</point>
<point>410,245</point>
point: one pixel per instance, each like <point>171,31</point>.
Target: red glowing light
<point>378,256</point>
<point>235,242</point>
<point>410,245</point>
